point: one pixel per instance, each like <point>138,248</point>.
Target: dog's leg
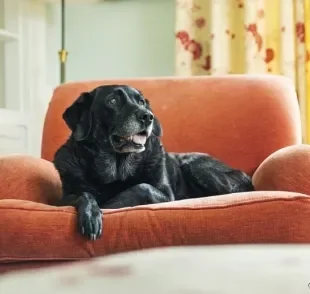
<point>207,176</point>
<point>79,193</point>
<point>89,213</point>
<point>137,195</point>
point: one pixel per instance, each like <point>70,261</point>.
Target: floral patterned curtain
<point>247,36</point>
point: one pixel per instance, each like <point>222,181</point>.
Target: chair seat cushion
<point>33,230</point>
<point>39,232</point>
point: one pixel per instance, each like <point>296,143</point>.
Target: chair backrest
<point>240,119</point>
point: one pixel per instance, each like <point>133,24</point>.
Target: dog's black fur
<point>104,164</point>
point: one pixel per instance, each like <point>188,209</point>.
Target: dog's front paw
<point>90,221</point>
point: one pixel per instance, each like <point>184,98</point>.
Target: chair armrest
<point>29,178</point>
<point>287,169</point>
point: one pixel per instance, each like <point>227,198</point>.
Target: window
<point>13,127</point>
<point>10,48</point>
<point>23,89</point>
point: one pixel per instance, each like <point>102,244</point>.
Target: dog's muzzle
<point>145,116</point>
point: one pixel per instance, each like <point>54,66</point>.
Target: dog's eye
<point>112,101</point>
<point>141,102</point>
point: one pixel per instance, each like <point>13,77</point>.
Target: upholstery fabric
<point>32,231</point>
<point>242,120</point>
<point>288,169</point>
<point>29,178</point>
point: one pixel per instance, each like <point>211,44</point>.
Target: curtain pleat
<point>247,36</point>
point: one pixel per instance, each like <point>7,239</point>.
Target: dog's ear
<point>78,116</point>
<point>157,128</point>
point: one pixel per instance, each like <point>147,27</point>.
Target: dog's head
<point>116,114</point>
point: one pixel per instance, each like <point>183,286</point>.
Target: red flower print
<point>230,34</point>
<point>200,22</point>
<point>259,42</point>
<point>252,28</point>
<point>191,45</point>
<point>207,65</point>
<point>197,7</point>
<point>183,36</point>
<point>269,55</point>
<point>260,13</point>
<point>300,32</point>
<point>195,48</point>
<point>186,44</point>
<point>240,3</point>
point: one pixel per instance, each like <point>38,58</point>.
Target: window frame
<point>28,27</point>
<point>10,35</point>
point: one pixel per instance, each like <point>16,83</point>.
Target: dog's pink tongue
<point>138,139</point>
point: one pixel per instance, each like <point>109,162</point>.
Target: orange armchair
<point>250,122</point>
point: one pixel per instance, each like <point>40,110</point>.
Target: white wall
<point>121,38</point>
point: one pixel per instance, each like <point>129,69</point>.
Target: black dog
<point>114,158</point>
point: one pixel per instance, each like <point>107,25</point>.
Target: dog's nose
<point>145,117</point>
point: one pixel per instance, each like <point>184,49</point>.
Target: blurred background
<point>139,38</point>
